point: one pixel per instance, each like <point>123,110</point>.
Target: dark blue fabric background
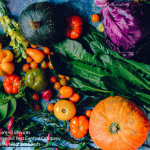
<point>83,8</point>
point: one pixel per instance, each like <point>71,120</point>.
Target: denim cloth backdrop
<point>83,8</point>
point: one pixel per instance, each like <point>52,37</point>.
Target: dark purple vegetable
<point>126,26</point>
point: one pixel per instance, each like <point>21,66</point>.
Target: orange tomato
<point>53,79</point>
<point>46,50</point>
<point>66,91</point>
<point>79,126</point>
<point>25,67</point>
<point>95,17</point>
<point>29,59</point>
<point>57,85</point>
<point>50,107</point>
<point>61,76</point>
<point>63,81</point>
<point>33,46</point>
<point>50,65</point>
<point>33,64</point>
<point>88,113</point>
<point>36,107</point>
<point>44,64</point>
<point>64,110</point>
<point>35,96</point>
<point>74,98</point>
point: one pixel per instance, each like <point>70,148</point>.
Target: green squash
<point>36,80</point>
<point>41,24</point>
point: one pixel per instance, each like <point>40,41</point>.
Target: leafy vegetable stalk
<point>12,29</point>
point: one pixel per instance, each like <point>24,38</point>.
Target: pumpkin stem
<point>114,128</point>
<point>34,25</point>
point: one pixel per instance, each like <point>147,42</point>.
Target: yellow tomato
<point>64,110</point>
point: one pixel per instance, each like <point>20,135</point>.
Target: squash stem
<point>34,24</point>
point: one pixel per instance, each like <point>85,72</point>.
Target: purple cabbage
<point>126,26</point>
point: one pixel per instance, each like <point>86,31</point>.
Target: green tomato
<point>36,79</point>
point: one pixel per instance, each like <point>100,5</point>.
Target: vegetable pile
<point>69,65</point>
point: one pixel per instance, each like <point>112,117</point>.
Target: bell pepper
<point>6,66</point>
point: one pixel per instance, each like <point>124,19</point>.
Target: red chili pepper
<point>10,122</point>
<point>7,141</point>
<point>10,132</point>
<point>0,134</point>
<point>48,137</point>
<point>20,135</point>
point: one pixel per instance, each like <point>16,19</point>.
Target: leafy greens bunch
<point>103,71</point>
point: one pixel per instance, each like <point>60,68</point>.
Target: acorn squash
<point>41,24</point>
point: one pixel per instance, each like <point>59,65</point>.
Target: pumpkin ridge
<point>123,102</point>
<point>127,140</point>
<point>104,116</point>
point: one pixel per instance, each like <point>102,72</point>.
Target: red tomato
<point>35,96</point>
<point>53,79</point>
<point>73,27</point>
<point>74,98</point>
<point>46,50</point>
<point>11,84</point>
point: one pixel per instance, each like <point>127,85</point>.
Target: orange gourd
<point>116,123</point>
<point>36,54</point>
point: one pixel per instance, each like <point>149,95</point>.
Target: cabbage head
<point>126,26</point>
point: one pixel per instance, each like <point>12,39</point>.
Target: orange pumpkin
<point>116,123</point>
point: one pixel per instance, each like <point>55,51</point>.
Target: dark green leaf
<point>84,86</point>
<point>131,74</point>
<point>100,48</point>
<point>117,85</point>
<point>142,66</point>
<point>11,107</point>
<point>3,111</point>
<point>89,102</point>
<point>5,100</point>
<point>74,51</point>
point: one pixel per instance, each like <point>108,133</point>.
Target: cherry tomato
<point>57,85</point>
<point>64,110</point>
<point>46,50</point>
<point>74,98</point>
<point>53,79</point>
<point>88,113</point>
<point>63,81</point>
<point>67,78</point>
<point>25,67</point>
<point>33,64</point>
<point>29,59</point>
<point>50,107</point>
<point>33,46</point>
<point>50,65</point>
<point>35,96</point>
<point>36,107</point>
<point>95,17</point>
<point>66,91</point>
<point>44,64</point>
<point>61,76</point>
